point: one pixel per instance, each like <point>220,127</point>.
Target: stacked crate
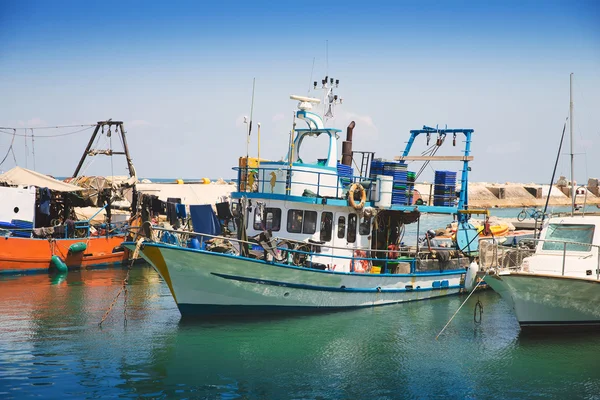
<point>445,188</point>
<point>411,177</point>
<point>345,173</point>
<point>397,170</point>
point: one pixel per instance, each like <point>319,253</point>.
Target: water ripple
<point>51,346</point>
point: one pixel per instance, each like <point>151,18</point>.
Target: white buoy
<point>471,276</point>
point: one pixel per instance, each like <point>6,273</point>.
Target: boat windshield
<point>569,233</point>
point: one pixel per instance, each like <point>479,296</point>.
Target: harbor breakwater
<point>488,195</point>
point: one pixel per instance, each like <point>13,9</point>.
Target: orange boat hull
<point>18,255</point>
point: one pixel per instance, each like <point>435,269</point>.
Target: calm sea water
<point>51,347</point>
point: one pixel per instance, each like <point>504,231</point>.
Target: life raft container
<point>363,196</point>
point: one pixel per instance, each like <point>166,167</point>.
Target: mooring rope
<point>136,251</point>
<point>472,291</point>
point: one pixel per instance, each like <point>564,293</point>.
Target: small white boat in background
<point>559,284</point>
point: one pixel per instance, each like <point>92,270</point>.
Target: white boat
<point>319,247</point>
<point>559,284</point>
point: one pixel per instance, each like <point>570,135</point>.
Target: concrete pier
<point>489,195</point>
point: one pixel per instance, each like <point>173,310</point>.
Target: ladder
<point>365,162</point>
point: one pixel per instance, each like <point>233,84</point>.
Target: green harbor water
<point>51,347</point>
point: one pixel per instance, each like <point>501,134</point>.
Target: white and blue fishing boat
<point>315,236</point>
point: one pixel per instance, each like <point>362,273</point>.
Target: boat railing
<point>330,184</point>
<point>512,258</point>
<point>390,257</point>
<point>185,234</point>
<point>322,184</point>
<point>386,264</point>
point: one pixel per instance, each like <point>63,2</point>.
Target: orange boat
<point>40,227</point>
<point>25,255</point>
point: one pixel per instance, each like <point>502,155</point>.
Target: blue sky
<point>179,74</point>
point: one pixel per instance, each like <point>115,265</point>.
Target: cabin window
<point>270,219</point>
<point>294,221</point>
<point>341,227</point>
<point>326,226</point>
<point>352,228</point>
<point>310,222</point>
<point>569,233</point>
<point>364,228</point>
<point>300,221</point>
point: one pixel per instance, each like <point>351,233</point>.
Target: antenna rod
<point>258,161</point>
<point>248,137</point>
<point>571,133</point>
<point>327,57</point>
<point>311,76</point>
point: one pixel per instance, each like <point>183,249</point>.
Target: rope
<point>136,251</point>
<point>432,150</point>
<point>473,291</point>
<point>33,148</point>
<point>45,136</point>
<point>26,151</point>
<point>9,148</point>
<point>90,160</point>
<point>51,127</point>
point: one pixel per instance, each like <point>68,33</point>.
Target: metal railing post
<point>318,183</point>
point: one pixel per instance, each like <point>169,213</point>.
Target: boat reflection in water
<point>51,346</point>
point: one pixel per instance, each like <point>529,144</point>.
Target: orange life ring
<point>363,196</point>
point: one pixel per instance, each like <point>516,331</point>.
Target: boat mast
<point>571,133</point>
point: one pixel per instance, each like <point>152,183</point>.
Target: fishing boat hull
<point>26,255</point>
<point>545,301</point>
<point>208,283</point>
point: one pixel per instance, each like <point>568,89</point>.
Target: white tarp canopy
<point>27,177</point>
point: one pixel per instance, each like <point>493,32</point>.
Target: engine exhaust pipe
<point>347,145</point>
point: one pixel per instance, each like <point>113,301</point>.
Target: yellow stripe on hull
<point>157,260</point>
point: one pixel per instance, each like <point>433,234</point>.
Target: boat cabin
<point>567,246</point>
<point>333,219</point>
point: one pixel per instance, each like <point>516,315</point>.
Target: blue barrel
<point>194,243</point>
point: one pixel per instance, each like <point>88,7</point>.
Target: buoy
<point>77,247</point>
<point>471,276</point>
<point>179,181</point>
<point>58,264</point>
<point>58,278</point>
<point>363,196</point>
<point>205,181</point>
